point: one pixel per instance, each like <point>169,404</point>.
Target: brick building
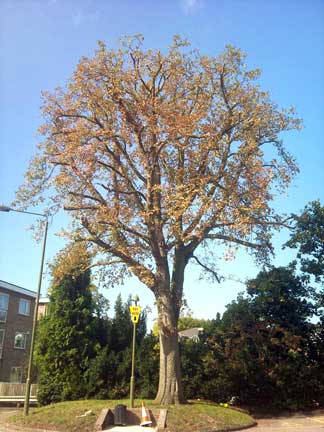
<point>16,321</point>
<point>42,307</point>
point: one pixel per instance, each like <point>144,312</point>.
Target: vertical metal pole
<point>132,380</point>
<point>32,342</point>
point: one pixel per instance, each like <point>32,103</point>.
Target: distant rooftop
<point>192,333</point>
<point>44,300</point>
<point>16,288</point>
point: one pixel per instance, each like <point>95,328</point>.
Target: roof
<point>44,300</point>
<point>191,333</point>
<point>11,287</point>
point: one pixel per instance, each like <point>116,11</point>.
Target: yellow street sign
<point>135,310</point>
<point>135,313</point>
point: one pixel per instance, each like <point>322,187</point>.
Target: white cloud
<point>190,7</point>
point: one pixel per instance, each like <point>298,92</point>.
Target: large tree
<point>156,154</point>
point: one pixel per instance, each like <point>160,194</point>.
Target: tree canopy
<point>263,339</point>
<point>155,154</point>
<point>308,237</point>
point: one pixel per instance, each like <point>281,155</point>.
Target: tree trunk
<point>170,389</point>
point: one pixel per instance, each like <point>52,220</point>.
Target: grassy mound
<point>195,416</point>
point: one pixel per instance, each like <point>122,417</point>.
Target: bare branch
<point>233,239</point>
<point>142,272</point>
<point>137,193</point>
<point>207,269</point>
<point>118,224</point>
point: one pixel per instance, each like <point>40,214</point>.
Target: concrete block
<point>161,423</point>
<point>106,418</point>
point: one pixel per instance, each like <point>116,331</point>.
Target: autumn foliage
<point>154,154</point>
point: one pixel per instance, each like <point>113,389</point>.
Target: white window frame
<point>19,374</point>
<point>23,301</point>
<point>4,308</point>
<point>24,340</point>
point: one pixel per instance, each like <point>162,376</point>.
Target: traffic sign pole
<point>135,311</point>
<point>132,381</point>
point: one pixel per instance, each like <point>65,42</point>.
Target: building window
<point>16,375</point>
<point>20,340</point>
<point>2,332</point>
<point>4,301</point>
<point>24,307</point>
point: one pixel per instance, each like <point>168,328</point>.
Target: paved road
<point>311,422</point>
<point>4,413</point>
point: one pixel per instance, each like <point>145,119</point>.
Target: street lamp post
<point>32,342</point>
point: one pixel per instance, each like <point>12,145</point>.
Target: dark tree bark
<point>170,389</point>
<point>169,301</point>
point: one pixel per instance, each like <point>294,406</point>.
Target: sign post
<point>135,312</point>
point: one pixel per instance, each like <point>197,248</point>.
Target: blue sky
<point>41,42</point>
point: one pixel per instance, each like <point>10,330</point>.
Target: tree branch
<point>236,240</point>
<point>143,273</point>
<point>207,268</point>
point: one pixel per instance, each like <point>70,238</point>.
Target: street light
<point>32,342</point>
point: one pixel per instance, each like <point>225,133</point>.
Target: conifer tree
<point>66,338</point>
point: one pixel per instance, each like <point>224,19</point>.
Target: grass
<point>206,417</point>
<point>197,416</point>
